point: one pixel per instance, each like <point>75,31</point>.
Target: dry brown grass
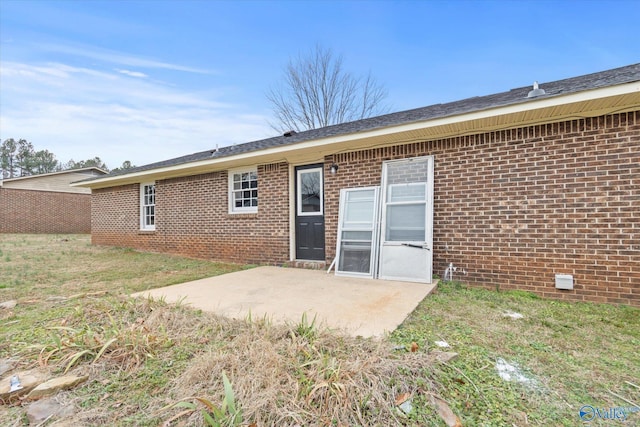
<point>285,379</point>
<point>281,375</point>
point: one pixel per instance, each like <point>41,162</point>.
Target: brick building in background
<point>531,189</point>
<point>47,203</point>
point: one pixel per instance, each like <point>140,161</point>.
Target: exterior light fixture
<point>333,168</point>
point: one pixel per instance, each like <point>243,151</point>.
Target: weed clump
<point>304,375</point>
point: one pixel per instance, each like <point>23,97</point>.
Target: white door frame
<point>292,204</point>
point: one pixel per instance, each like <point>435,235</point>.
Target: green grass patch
<point>573,354</point>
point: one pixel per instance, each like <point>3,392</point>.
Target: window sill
<point>242,215</point>
<point>146,231</point>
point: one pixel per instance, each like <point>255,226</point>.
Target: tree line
<point>20,158</point>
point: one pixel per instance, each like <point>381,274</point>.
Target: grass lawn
<point>151,363</point>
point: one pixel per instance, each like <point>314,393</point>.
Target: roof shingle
<point>627,74</point>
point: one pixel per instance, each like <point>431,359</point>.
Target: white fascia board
<point>530,105</point>
<point>42,175</point>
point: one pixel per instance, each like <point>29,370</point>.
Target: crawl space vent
<point>564,281</point>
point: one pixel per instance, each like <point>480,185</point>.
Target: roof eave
<point>67,171</point>
<point>618,98</point>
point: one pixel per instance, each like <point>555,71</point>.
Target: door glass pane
<point>405,223</point>
<point>310,192</point>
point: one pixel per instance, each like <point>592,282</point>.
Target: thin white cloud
<point>79,113</point>
<point>132,73</point>
<point>119,58</point>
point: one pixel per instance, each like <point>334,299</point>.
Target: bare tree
<point>318,92</point>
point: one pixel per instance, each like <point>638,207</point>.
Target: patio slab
<point>361,307</point>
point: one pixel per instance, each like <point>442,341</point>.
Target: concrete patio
<point>361,307</point>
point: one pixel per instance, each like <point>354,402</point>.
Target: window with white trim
<point>148,206</point>
<point>243,191</point>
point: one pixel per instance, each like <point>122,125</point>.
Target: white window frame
<point>373,227</point>
<point>232,205</point>
<point>143,218</point>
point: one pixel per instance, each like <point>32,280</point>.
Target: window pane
<point>406,223</point>
<point>244,192</point>
<point>355,257</point>
<point>359,211</point>
<point>148,200</point>
<point>356,235</point>
<point>149,215</point>
<point>407,192</point>
<point>415,170</point>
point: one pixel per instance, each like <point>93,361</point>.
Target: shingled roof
<point>627,74</point>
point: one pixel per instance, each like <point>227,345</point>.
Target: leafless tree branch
<point>316,91</point>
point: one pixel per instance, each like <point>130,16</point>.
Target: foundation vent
<point>564,281</point>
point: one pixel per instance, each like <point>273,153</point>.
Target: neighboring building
<point>531,189</point>
<point>47,203</point>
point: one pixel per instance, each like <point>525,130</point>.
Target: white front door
<point>406,237</point>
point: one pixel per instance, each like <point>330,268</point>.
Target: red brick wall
<point>515,207</point>
<point>512,208</point>
<point>193,219</point>
<point>31,211</point>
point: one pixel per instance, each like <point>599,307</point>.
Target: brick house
<point>537,189</point>
<point>47,203</point>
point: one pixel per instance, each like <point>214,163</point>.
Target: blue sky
<point>149,80</point>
